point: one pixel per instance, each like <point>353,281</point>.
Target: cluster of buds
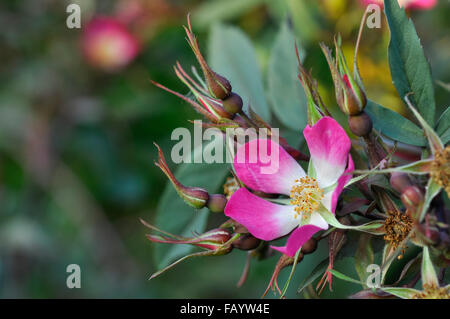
<point>213,94</point>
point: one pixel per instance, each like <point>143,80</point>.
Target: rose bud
<point>193,196</point>
<point>349,89</point>
<point>310,246</point>
<point>399,181</point>
<point>246,242</point>
<point>411,197</point>
<point>233,103</point>
<point>218,86</point>
<point>360,124</point>
<point>211,240</point>
<point>108,45</point>
<point>216,203</point>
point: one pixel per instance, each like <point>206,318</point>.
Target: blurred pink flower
<point>107,44</point>
<point>408,4</point>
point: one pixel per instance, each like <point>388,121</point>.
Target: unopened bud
<point>349,90</point>
<point>310,246</point>
<point>246,242</point>
<point>216,203</point>
<point>360,124</point>
<point>194,196</point>
<point>411,197</point>
<point>218,86</point>
<point>400,181</point>
<point>233,103</point>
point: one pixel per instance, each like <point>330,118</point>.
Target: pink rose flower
<point>330,169</point>
<point>108,45</point>
<point>407,4</point>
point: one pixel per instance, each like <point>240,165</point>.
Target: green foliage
<point>232,55</point>
<point>395,126</point>
<point>175,216</point>
<point>286,94</point>
<point>409,68</point>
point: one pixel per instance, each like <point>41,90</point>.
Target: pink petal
<point>329,147</point>
<point>297,239</point>
<point>341,183</point>
<point>422,4</point>
<point>416,5</point>
<point>330,199</point>
<point>264,165</point>
<point>263,219</point>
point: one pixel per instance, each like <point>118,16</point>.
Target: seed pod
<point>216,203</point>
<point>310,246</point>
<point>360,124</point>
<point>233,103</point>
<point>400,181</point>
<point>246,242</point>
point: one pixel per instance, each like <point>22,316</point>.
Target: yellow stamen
<point>433,292</point>
<point>397,227</point>
<point>230,186</point>
<point>440,169</point>
<point>306,195</point>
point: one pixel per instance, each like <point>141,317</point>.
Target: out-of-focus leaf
<point>232,55</point>
<point>364,256</point>
<point>443,126</point>
<point>409,68</point>
<point>286,94</point>
<point>175,216</point>
<point>304,17</point>
<point>395,126</point>
<point>220,10</point>
<point>316,273</point>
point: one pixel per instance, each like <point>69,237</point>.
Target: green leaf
<point>286,94</point>
<point>443,126</point>
<point>175,216</point>
<point>373,227</point>
<point>232,55</point>
<point>409,68</point>
<point>395,126</point>
<point>364,256</point>
<point>404,293</point>
<point>429,276</point>
<point>219,10</point>
<point>345,277</point>
<point>431,190</point>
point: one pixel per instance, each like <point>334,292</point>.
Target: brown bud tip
<point>310,246</point>
<point>412,196</point>
<point>218,86</point>
<point>233,103</point>
<point>400,181</point>
<point>216,203</point>
<point>246,242</point>
<point>360,124</point>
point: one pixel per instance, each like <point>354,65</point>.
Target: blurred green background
<point>76,141</point>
